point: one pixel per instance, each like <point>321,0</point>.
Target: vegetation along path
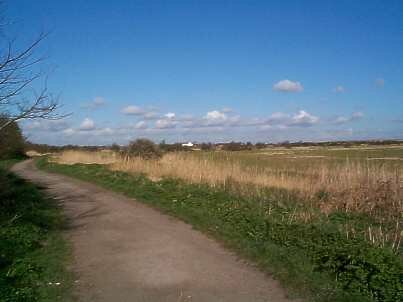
<point>127,251</point>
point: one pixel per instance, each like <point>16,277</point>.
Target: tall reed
<point>358,186</point>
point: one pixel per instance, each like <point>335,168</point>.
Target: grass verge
<point>33,253</point>
<point>315,260</point>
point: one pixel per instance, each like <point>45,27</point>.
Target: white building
<point>189,144</point>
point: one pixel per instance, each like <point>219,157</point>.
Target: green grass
<point>314,260</point>
<point>33,253</point>
<point>8,163</point>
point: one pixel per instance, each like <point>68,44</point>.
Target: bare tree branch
<point>18,75</point>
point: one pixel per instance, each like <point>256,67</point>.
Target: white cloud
<point>87,125</point>
<point>277,118</point>
<point>148,114</point>
<point>47,125</point>
<point>226,110</point>
<point>380,82</point>
<point>214,118</point>
<point>186,117</point>
<point>355,116</point>
<point>288,86</point>
<point>215,115</point>
<point>303,119</point>
<point>151,115</point>
<point>133,110</point>
<point>141,125</point>
<point>165,124</point>
<point>170,115</point>
<point>337,133</point>
<point>299,119</point>
<point>235,121</point>
<point>339,89</point>
<point>104,132</point>
<point>69,132</point>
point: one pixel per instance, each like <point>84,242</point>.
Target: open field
<point>322,220</point>
<point>362,179</point>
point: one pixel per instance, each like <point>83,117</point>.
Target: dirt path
<point>126,251</point>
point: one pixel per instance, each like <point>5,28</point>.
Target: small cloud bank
<point>288,86</point>
<point>340,120</point>
<point>87,125</point>
<point>148,114</point>
<point>214,125</point>
<point>339,89</point>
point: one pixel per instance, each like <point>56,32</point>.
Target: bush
<point>207,146</point>
<point>11,140</point>
<point>234,146</point>
<point>176,147</point>
<point>115,147</point>
<point>144,148</point>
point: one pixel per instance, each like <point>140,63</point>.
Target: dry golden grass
<point>71,157</point>
<point>350,185</point>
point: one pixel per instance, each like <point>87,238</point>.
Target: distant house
<point>189,144</point>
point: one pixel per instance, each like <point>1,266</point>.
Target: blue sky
<point>219,70</point>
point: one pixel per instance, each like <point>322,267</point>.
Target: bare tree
<point>19,74</point>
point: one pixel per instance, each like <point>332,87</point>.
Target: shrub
<point>115,147</point>
<point>234,146</point>
<point>207,146</point>
<point>176,147</point>
<point>144,148</point>
<point>11,141</point>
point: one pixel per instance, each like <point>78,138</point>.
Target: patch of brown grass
<point>348,185</point>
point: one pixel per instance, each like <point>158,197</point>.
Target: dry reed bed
<point>351,185</point>
<point>359,186</point>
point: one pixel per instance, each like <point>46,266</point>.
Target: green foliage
<point>115,147</point>
<point>32,252</point>
<point>11,140</point>
<point>236,146</point>
<point>8,163</point>
<point>206,146</point>
<point>143,148</point>
<point>315,259</point>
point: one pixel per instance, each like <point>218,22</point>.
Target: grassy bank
<point>314,257</point>
<point>33,254</point>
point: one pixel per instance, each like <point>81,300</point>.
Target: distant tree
<point>260,145</point>
<point>143,148</point>
<point>206,146</point>
<point>164,147</point>
<point>20,71</point>
<point>115,147</point>
<point>249,146</point>
<point>12,141</point>
<point>233,146</point>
